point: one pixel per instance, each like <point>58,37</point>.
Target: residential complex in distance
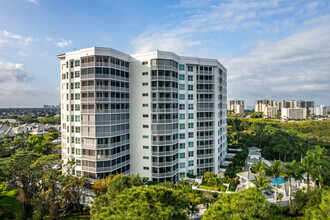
<point>271,107</point>
<point>238,106</point>
<point>294,113</point>
<point>158,114</point>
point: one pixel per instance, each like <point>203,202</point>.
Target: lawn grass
<point>8,199</point>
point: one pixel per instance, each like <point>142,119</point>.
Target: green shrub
<point>191,175</point>
<point>223,188</point>
<point>232,188</point>
<point>206,187</point>
<point>195,183</point>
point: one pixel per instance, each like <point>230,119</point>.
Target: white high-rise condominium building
<point>238,106</point>
<point>158,114</point>
<point>294,113</point>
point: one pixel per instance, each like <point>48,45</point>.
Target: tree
<point>72,191</point>
<point>275,169</point>
<point>141,202</point>
<point>40,145</point>
<point>261,183</point>
<point>259,167</point>
<point>20,167</point>
<point>100,187</point>
<point>247,204</point>
<point>292,169</point>
<point>48,197</point>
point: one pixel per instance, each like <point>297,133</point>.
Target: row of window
<point>183,155</point>
<point>182,77</point>
<point>190,164</point>
<point>75,75</point>
<point>183,116</point>
<point>183,126</point>
<point>183,135</point>
<point>183,145</point>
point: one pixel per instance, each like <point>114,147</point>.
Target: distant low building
<point>270,111</point>
<point>238,106</point>
<point>294,113</point>
<point>321,111</point>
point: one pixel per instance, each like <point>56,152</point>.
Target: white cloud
<point>22,54</point>
<point>63,43</point>
<point>297,65</point>
<point>12,72</point>
<point>34,1</point>
<point>21,39</point>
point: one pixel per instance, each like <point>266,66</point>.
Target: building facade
<point>294,113</point>
<point>238,106</point>
<point>158,114</point>
<point>270,111</point>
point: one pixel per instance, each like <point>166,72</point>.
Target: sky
<point>274,49</point>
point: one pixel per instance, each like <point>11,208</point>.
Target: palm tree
<point>292,169</point>
<point>275,169</point>
<point>259,167</point>
<point>308,167</point>
<point>261,182</point>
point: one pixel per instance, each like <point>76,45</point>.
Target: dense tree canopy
<point>248,204</point>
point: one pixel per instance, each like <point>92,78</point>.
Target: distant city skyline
<point>272,49</point>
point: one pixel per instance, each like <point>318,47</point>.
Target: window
<point>72,95</point>
<point>190,144</point>
<point>182,116</point>
<point>190,97</point>
<point>182,165</point>
<point>72,118</point>
<point>145,63</point>
<point>78,163</point>
<point>71,86</point>
<point>190,163</point>
<point>190,87</point>
<point>76,74</point>
<point>182,106</point>
<point>145,94</point>
<point>182,155</point>
<point>190,153</point>
<point>181,66</point>
<point>190,106</point>
<point>71,75</point>
<point>145,147</point>
<point>146,168</point>
<point>190,134</point>
<point>182,136</point>
<point>77,140</point>
<point>181,77</point>
<point>145,84</point>
<point>77,85</point>
<point>77,129</point>
<point>77,63</point>
<point>77,118</point>
<point>71,64</point>
<point>145,137</point>
<point>190,77</point>
<point>182,97</point>
<point>182,126</point>
<point>190,69</point>
<point>144,73</point>
<point>72,130</point>
<point>182,175</point>
<point>182,145</point>
<point>77,96</point>
<point>145,158</point>
<point>72,107</point>
<point>145,105</point>
<point>77,107</point>
<point>190,125</point>
<point>145,126</point>
<point>190,115</point>
<point>67,96</point>
<point>181,87</point>
<point>145,116</point>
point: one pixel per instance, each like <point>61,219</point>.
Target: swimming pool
<point>280,180</point>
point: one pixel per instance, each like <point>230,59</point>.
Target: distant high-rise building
<point>238,106</point>
<point>270,111</point>
<point>158,114</point>
<point>294,113</point>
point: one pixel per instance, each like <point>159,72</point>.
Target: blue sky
<point>271,48</point>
